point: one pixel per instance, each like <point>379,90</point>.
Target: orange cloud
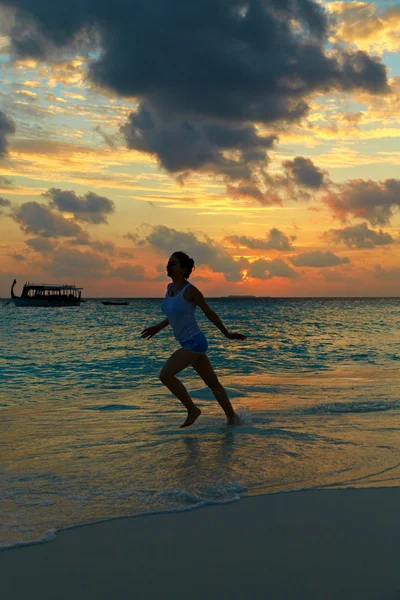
<point>27,94</point>
<point>52,98</point>
<point>366,27</point>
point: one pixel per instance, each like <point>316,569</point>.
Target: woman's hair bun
<point>186,262</point>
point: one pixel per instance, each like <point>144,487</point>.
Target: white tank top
<point>181,315</point>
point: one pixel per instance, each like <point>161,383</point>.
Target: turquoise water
<point>88,431</point>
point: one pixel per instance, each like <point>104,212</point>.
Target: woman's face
<point>174,268</point>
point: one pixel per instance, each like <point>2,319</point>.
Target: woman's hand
<point>149,332</point>
<point>236,336</point>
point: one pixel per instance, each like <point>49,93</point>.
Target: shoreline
<point>323,543</point>
<point>51,534</point>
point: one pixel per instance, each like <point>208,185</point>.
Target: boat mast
<point>12,289</point>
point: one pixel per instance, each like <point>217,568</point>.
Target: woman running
<point>179,305</point>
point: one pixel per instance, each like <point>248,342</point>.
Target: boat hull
<point>44,302</point>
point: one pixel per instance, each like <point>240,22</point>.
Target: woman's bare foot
<point>235,420</point>
<point>192,416</point>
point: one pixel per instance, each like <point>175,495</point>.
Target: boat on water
<point>45,294</point>
<point>109,303</point>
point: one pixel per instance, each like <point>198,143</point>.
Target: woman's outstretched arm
<point>198,298</point>
<point>149,332</point>
<point>163,324</point>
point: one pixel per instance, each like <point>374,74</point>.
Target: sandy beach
<point>332,544</point>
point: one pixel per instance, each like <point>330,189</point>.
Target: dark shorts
<point>197,343</point>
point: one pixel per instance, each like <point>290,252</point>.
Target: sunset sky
<point>262,137</point>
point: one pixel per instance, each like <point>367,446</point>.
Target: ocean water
<point>88,432</point>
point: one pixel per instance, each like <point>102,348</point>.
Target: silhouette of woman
<point>179,305</point>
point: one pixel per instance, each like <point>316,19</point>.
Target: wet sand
<point>323,544</point>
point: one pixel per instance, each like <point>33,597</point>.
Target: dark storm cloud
<point>18,257</point>
<point>5,183</point>
<point>214,59</point>
<point>304,172</point>
<point>4,203</point>
<point>375,201</point>
<point>108,248</point>
<point>192,145</point>
<point>107,138</point>
<point>249,189</point>
<point>7,127</point>
<point>6,20</point>
<point>133,237</point>
<point>318,259</point>
<point>204,72</point>
<point>359,236</point>
<point>90,208</point>
<point>42,245</point>
<point>35,218</point>
<point>222,58</point>
<point>267,269</point>
<point>84,239</point>
<point>276,240</point>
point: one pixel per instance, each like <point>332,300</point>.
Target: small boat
<point>109,303</point>
<point>45,294</point>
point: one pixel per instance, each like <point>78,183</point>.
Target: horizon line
<point>247,297</point>
<point>238,297</point>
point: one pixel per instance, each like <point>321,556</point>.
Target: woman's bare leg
<point>222,397</point>
<point>204,368</point>
<point>178,361</point>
